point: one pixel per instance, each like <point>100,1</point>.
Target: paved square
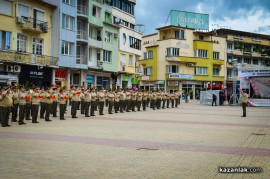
<point>190,141</point>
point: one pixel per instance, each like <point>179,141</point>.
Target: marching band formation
<point>28,104</point>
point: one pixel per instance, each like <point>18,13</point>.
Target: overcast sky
<point>246,15</point>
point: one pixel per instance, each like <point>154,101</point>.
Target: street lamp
<point>234,97</point>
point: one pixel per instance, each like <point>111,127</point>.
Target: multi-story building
<point>103,45</point>
<point>180,58</point>
<point>129,42</point>
<point>248,61</point>
<point>25,42</point>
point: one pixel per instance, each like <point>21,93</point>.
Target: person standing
<point>101,97</point>
<point>35,106</point>
<point>42,103</point>
<point>172,99</point>
<point>163,99</point>
<point>214,100</point>
<point>176,98</point>
<point>133,100</point>
<point>93,102</point>
<point>87,101</point>
<point>22,103</point>
<point>116,101</point>
<point>28,105</point>
<point>15,104</point>
<point>168,98</point>
<point>6,106</point>
<point>154,100</point>
<point>158,99</point>
<point>128,97</point>
<point>62,104</point>
<point>55,102</point>
<point>75,103</point>
<point>48,104</point>
<point>82,96</point>
<point>110,97</point>
<point>139,100</point>
<point>144,99</point>
<point>244,102</point>
<point>122,102</point>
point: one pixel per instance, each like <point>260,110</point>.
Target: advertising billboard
<point>189,19</point>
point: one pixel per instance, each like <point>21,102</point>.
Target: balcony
<point>82,11</point>
<point>95,42</point>
<point>218,62</point>
<point>32,25</point>
<point>28,58</point>
<point>82,36</point>
<point>81,59</point>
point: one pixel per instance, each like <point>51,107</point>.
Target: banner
<point>259,102</point>
<point>190,19</point>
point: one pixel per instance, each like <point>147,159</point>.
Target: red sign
<point>60,74</point>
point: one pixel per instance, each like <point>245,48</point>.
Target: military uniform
<point>116,102</point>
<point>74,104</point>
<point>176,98</point>
<point>62,105</point>
<point>82,96</point>
<point>158,99</point>
<point>87,101</point>
<point>28,106</point>
<point>144,100</point>
<point>55,103</point>
<point>122,102</point>
<point>34,107</point>
<point>172,99</point>
<point>168,99</point>
<point>15,107</point>
<point>110,97</point>
<point>93,103</point>
<point>154,100</point>
<point>133,100</point>
<point>42,104</point>
<point>6,107</point>
<point>22,103</point>
<point>48,105</point>
<point>139,101</point>
<point>163,98</point>
<point>128,97</point>
<point>101,98</point>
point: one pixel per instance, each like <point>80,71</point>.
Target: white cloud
<point>246,21</point>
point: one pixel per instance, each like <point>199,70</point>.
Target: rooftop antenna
<point>168,18</point>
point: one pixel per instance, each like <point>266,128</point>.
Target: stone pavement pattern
<point>190,141</point>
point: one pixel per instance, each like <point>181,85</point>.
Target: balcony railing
<point>81,59</point>
<point>32,25</point>
<point>82,35</point>
<point>19,57</point>
<point>82,10</point>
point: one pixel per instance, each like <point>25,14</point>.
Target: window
<point>108,37</point>
<point>239,60</point>
<point>107,56</point>
<point>135,43</point>
<point>23,10</point>
<point>124,5</point>
<point>6,7</point>
<point>68,22</point>
<point>39,16</point>
<point>148,54</point>
<point>37,46</point>
<point>230,46</point>
<point>201,53</point>
<point>67,48</point>
<point>147,71</point>
<point>180,34</point>
<point>255,62</point>
<point>173,52</point>
<point>201,70</point>
<point>69,2</point>
<point>172,69</point>
<point>229,73</point>
<point>201,37</point>
<point>130,61</point>
<point>216,55</point>
<point>132,26</point>
<point>21,43</point>
<point>125,23</point>
<point>96,12</point>
<point>124,38</point>
<point>5,40</point>
<point>123,59</point>
<point>216,71</point>
<point>247,60</point>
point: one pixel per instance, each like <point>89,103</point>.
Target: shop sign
<point>247,73</point>
<point>175,75</point>
<point>125,77</point>
<point>135,81</point>
<point>60,74</point>
<point>145,77</point>
<point>90,78</point>
<point>173,83</point>
<point>259,102</point>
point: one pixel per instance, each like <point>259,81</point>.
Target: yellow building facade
<point>25,39</point>
<point>177,58</point>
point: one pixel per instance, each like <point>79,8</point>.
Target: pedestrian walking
<point>214,100</point>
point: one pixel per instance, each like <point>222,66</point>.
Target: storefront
<point>60,77</point>
<point>35,75</point>
<point>90,80</point>
<point>103,82</point>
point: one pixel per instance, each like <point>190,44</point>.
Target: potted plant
<point>187,94</point>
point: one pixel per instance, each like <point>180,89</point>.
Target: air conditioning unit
<point>115,35</point>
<point>17,68</point>
<point>20,20</point>
<point>44,27</point>
<point>9,68</point>
<point>190,64</point>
